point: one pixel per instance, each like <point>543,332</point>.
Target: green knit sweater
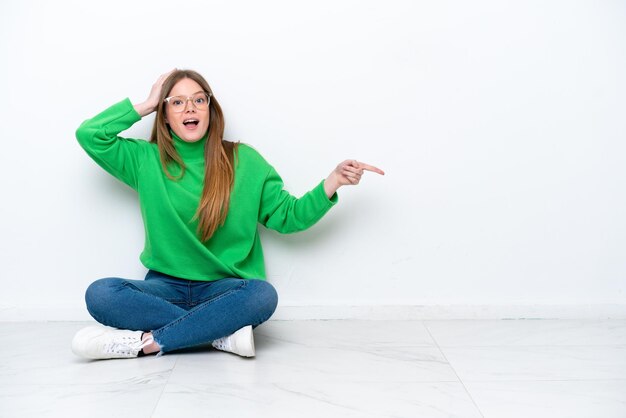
<point>172,245</point>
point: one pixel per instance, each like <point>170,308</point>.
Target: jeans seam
<point>200,307</point>
<point>172,301</point>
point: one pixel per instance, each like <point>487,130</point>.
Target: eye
<point>176,102</point>
<point>200,100</point>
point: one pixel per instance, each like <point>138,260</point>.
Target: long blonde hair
<point>219,155</point>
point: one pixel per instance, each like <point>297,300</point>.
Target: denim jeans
<point>181,313</point>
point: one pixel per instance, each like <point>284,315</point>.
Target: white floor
<point>471,368</point>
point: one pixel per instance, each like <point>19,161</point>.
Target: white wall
<point>500,125</point>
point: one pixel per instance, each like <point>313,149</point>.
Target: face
<point>192,123</point>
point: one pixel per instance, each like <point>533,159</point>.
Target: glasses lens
<point>199,100</point>
<point>177,103</point>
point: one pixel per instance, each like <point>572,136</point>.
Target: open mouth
<point>191,123</point>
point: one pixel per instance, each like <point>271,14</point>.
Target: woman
<point>201,199</point>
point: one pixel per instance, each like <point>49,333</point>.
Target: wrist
<point>331,185</point>
<point>144,108</point>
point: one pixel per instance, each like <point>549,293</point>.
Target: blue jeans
<point>181,313</point>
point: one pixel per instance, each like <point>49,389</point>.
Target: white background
<point>500,125</point>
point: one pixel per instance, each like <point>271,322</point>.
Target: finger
<point>353,170</point>
<point>352,163</point>
<point>351,177</point>
<point>164,76</point>
<point>371,168</point>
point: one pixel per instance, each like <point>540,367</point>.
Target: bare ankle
<point>153,347</point>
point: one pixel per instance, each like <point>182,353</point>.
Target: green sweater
<point>172,245</point>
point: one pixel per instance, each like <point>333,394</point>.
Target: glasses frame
<point>189,99</point>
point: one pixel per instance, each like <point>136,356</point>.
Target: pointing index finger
<point>371,168</point>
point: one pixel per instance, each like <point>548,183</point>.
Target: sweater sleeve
<point>99,138</point>
<point>285,213</point>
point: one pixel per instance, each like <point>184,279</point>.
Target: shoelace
<point>127,345</point>
<point>222,343</point>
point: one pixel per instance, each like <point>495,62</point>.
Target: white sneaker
<point>100,342</point>
<point>241,342</point>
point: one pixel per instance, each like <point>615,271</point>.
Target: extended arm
<point>348,172</point>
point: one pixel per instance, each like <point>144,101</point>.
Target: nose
<point>189,106</point>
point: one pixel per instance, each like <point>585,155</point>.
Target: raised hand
<point>347,173</point>
<point>151,103</point>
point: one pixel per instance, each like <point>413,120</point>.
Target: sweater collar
<point>189,151</point>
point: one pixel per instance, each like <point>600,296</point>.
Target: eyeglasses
<point>199,100</point>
